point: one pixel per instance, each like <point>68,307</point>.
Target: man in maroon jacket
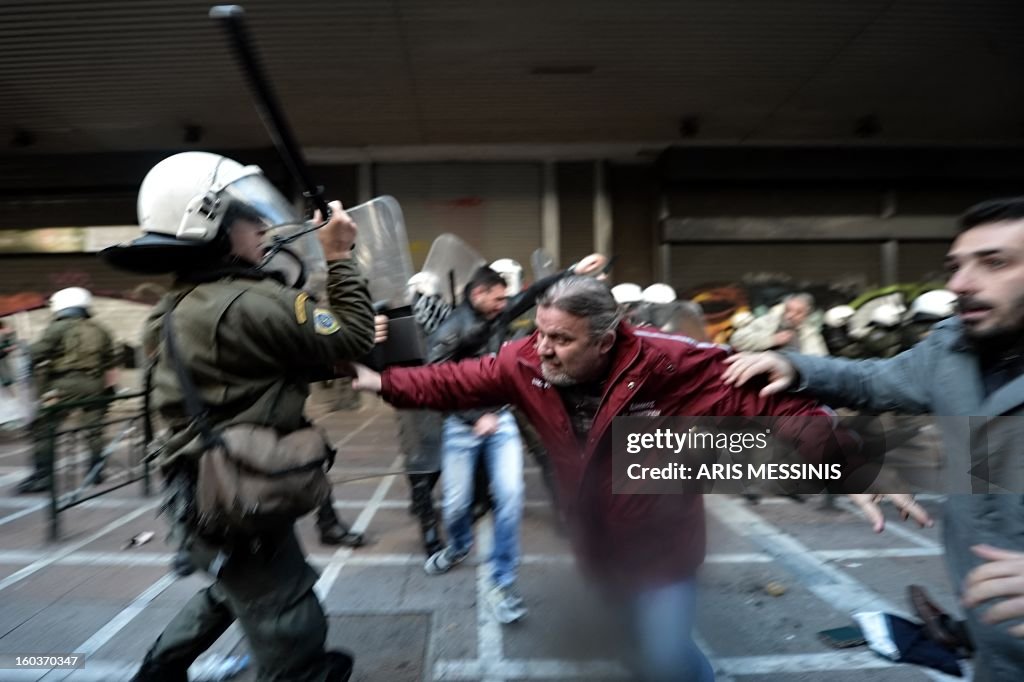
<point>582,368</point>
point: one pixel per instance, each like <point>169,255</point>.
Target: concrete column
<point>890,262</point>
<point>602,212</point>
<point>365,184</point>
<point>550,224</point>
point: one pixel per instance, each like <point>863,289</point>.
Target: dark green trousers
<point>70,387</point>
<point>268,587</point>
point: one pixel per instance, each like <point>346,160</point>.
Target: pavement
<point>87,594</point>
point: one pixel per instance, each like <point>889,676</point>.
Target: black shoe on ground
<point>181,564</point>
<point>34,484</point>
<point>150,673</point>
<point>339,666</point>
<point>939,626</point>
<point>338,535</point>
<point>432,540</point>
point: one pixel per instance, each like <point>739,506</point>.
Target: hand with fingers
<point>1000,580</point>
<point>380,329</point>
<point>591,265</point>
<point>871,506</point>
<point>486,425</point>
<point>783,338</point>
<point>338,235</point>
<point>366,379</point>
<point>744,367</point>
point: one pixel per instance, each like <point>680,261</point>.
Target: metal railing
<point>126,431</point>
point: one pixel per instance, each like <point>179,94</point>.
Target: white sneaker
<point>443,561</point>
<point>506,604</point>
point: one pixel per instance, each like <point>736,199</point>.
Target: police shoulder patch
<point>324,321</point>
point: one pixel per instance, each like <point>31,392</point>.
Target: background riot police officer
<point>70,363</point>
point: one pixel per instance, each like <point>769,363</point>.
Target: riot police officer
<point>251,342</point>
<point>883,338</point>
<point>70,362</point>
<point>925,312</point>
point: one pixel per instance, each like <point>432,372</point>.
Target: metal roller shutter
<point>495,207</point>
<point>922,261</point>
<point>694,264</point>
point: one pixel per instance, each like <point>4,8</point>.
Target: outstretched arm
<point>899,383</point>
<point>518,305</point>
<point>444,387</point>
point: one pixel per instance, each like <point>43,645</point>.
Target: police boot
<point>96,469</point>
<point>333,530</point>
<point>37,482</point>
<point>181,564</point>
<point>337,534</point>
<point>423,507</point>
<point>339,666</point>
<point>149,672</point>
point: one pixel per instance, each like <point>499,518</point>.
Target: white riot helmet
<point>187,195</point>
<point>838,316</point>
<point>886,315</point>
<point>511,272</point>
<point>934,305</point>
<point>182,205</point>
<point>423,284</point>
<point>73,297</point>
<point>659,293</point>
<point>627,293</point>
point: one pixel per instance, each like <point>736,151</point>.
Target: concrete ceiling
<point>107,75</point>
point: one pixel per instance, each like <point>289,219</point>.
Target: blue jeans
<point>661,624</point>
<point>502,453</point>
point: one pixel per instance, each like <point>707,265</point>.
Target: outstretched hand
<point>591,265</point>
<point>743,367</point>
<point>366,379</point>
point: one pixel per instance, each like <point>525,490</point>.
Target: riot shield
<point>382,250</point>
<point>543,264</point>
<point>18,402</point>
<point>452,261</point>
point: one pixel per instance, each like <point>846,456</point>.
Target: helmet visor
<point>261,200</point>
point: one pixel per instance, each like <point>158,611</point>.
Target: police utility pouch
<point>251,478</point>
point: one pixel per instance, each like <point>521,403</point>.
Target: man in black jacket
<point>478,327</point>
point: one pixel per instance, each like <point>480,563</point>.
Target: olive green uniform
<point>251,347</point>
<point>70,361</point>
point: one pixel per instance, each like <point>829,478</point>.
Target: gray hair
<point>803,297</point>
<point>584,297</point>
<point>691,309</point>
